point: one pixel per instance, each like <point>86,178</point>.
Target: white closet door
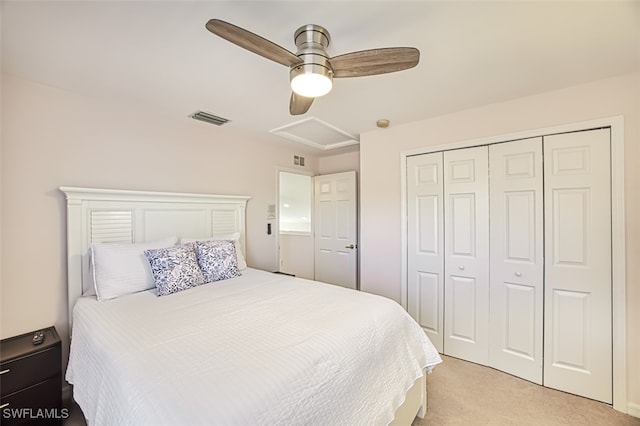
<point>425,243</point>
<point>577,335</point>
<point>467,254</point>
<point>516,271</point>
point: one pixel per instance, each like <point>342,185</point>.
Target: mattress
<point>259,349</point>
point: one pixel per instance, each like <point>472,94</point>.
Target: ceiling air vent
<point>209,118</point>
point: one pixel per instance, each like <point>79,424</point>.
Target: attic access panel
<point>316,133</point>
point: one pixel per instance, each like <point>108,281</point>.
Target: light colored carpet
<point>464,393</point>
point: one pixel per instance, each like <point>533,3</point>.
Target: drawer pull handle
<point>6,404</point>
<point>5,371</point>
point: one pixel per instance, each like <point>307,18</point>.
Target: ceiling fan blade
<point>252,42</point>
<point>374,61</point>
<point>299,104</point>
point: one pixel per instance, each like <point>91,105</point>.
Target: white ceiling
<point>158,56</point>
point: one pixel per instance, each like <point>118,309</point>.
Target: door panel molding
<point>578,271</point>
<point>516,298</point>
<point>466,260</point>
<point>336,229</point>
<point>425,175</point>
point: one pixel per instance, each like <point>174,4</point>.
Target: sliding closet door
<point>425,245</point>
<point>577,335</point>
<point>516,269</point>
<point>466,309</point>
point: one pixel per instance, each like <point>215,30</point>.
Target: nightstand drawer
<point>38,404</point>
<point>29,370</point>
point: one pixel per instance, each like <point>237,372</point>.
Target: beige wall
<point>380,198</point>
<point>297,255</point>
<point>339,163</point>
<point>52,138</point>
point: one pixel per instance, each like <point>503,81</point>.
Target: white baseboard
<point>633,409</point>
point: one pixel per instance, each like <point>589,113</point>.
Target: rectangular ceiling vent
<point>209,118</point>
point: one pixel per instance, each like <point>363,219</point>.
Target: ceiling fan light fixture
<point>311,80</point>
<point>311,70</point>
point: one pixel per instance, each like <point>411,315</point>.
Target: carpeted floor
<point>464,393</point>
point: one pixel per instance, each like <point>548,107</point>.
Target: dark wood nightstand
<point>31,379</point>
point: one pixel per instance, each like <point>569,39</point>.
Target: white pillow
<point>122,268</point>
<point>242,263</point>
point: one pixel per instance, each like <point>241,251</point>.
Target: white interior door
<point>466,299</point>
<point>336,238</point>
<point>577,335</point>
<point>425,243</point>
<point>517,266</point>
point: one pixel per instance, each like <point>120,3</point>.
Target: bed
<point>249,349</point>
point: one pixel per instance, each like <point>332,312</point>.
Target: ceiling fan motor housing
<point>311,41</point>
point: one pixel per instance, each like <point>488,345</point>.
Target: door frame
<point>618,291</point>
<point>275,229</point>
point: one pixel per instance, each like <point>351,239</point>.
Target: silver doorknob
<point>518,274</point>
<point>350,246</point>
<point>461,267</point>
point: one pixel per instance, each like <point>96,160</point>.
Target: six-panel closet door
<point>517,265</point>
<point>466,263</point>
<point>448,265</point>
<point>425,254</point>
<point>577,335</point>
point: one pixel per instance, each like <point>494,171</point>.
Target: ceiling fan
<point>311,70</point>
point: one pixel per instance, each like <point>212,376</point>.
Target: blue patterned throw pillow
<point>217,259</point>
<point>174,268</point>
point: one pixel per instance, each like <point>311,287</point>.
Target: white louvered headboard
<point>108,215</point>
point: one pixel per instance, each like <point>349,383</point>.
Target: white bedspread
<point>260,349</point>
